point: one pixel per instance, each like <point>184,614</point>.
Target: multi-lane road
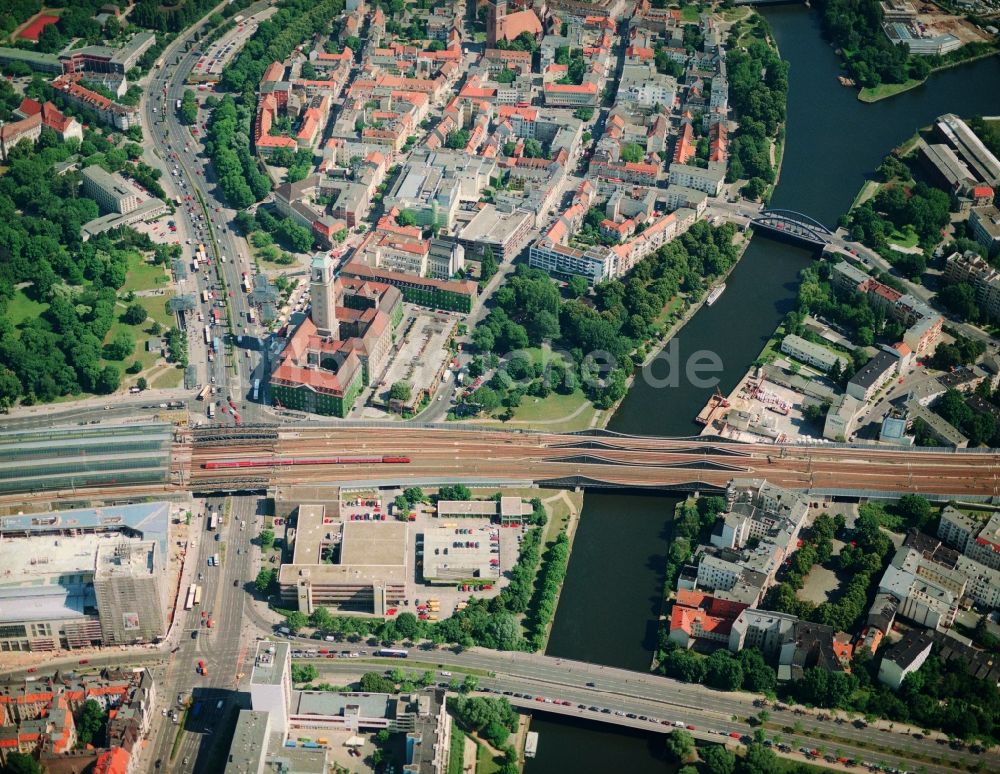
<point>622,692</point>
<point>203,218</point>
<point>223,647</point>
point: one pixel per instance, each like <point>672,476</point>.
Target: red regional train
<point>305,461</point>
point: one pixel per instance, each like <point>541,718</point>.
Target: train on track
<point>382,460</point>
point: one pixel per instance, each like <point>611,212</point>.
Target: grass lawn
<point>156,307</point>
<point>485,762</point>
<point>455,762</point>
<point>143,275</point>
<point>883,90</point>
<point>555,407</point>
<point>690,13</point>
<point>172,377</point>
<point>22,308</point>
<point>673,306</point>
<point>908,239</point>
<point>734,14</point>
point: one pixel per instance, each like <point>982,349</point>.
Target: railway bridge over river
<point>117,461</point>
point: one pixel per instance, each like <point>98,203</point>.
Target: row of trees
<point>188,113</point>
<point>276,38</point>
<point>547,588</point>
<point>227,144</point>
<point>178,16</point>
<point>489,623</point>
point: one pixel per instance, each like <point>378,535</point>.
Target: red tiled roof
<point>514,24</point>
<point>569,88</point>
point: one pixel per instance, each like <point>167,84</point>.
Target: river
<point>608,607</point>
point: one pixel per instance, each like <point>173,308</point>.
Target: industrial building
<point>359,566</point>
<point>72,579</point>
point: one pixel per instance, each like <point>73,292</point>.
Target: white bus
<point>211,411</point>
<point>189,601</point>
<point>213,519</point>
<point>208,336</point>
<point>197,595</point>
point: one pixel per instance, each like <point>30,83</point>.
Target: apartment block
<point>811,353</point>
<point>708,180</point>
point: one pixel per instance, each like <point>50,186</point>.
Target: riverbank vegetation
<point>617,317</point>
<point>869,56</point>
<point>492,720</point>
<point>760,105</point>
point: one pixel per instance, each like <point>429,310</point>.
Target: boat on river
<point>717,291</point>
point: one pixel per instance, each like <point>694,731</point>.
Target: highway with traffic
<point>203,218</point>
<point>652,703</point>
<point>221,647</point>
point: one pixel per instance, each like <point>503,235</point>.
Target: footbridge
<point>793,225</point>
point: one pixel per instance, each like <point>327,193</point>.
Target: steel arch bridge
<point>794,225</point>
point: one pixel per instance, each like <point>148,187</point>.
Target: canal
<point>607,611</point>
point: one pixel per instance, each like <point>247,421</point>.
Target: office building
<point>77,578</point>
<point>341,347</point>
<point>271,682</point>
<point>111,192</point>
<point>248,750</point>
